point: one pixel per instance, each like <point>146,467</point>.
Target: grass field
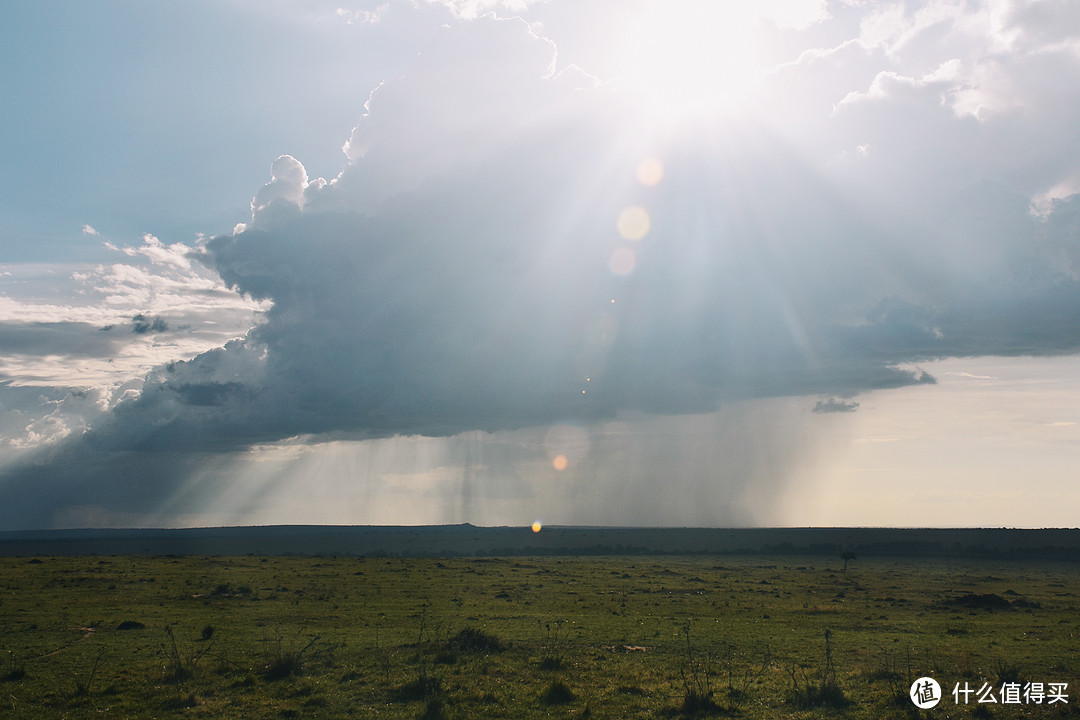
<point>599,637</point>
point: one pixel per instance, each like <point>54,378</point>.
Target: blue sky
<point>139,116</point>
<point>584,262</point>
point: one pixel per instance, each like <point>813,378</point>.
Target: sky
<point>578,262</point>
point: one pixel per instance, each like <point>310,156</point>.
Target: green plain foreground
<point>529,637</point>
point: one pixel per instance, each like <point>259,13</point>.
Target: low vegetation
<point>550,637</point>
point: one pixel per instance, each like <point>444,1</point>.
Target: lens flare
<point>650,172</point>
<point>622,261</point>
<point>634,222</point>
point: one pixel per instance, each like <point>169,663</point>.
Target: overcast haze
<point>672,263</point>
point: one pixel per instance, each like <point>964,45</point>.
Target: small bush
<point>14,670</point>
<point>551,663</point>
<point>695,704</point>
<point>826,694</point>
<point>1007,672</point>
<point>285,665</point>
<point>556,635</point>
<point>434,709</point>
<point>283,662</point>
<point>423,687</point>
<point>178,665</point>
<point>15,675</point>
<point>471,640</point>
<point>557,693</point>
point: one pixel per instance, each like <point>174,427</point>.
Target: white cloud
<point>284,193</point>
<point>361,17</point>
<point>1044,202</point>
<point>89,230</point>
<point>891,85</point>
<point>34,417</point>
<point>158,253</point>
<point>472,9</point>
<point>794,14</point>
<point>882,27</point>
<point>86,340</point>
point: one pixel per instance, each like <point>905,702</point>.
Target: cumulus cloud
<point>458,274</point>
<point>33,417</point>
<point>285,191</point>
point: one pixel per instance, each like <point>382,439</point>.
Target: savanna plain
<point>643,636</point>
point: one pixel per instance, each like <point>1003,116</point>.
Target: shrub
<point>826,692</point>
<point>471,640</point>
<point>282,662</point>
<point>424,687</point>
<point>557,693</point>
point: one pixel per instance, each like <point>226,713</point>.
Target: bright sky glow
<point>691,59</point>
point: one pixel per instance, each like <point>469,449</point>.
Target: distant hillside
<point>468,540</point>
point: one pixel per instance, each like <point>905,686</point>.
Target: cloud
<point>835,405</point>
<point>472,9</point>
<point>31,418</point>
<point>285,191</point>
<point>89,230</point>
<point>457,275</point>
<point>1044,203</point>
<point>892,85</point>
<point>142,325</point>
<point>361,17</point>
<point>36,339</point>
<point>177,254</point>
<point>59,324</point>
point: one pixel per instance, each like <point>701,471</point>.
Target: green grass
<point>598,637</point>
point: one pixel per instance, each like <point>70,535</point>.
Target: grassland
<point>538,637</point>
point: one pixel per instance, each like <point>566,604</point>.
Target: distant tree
<point>847,555</point>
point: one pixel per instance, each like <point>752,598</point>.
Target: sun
<point>691,59</point>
